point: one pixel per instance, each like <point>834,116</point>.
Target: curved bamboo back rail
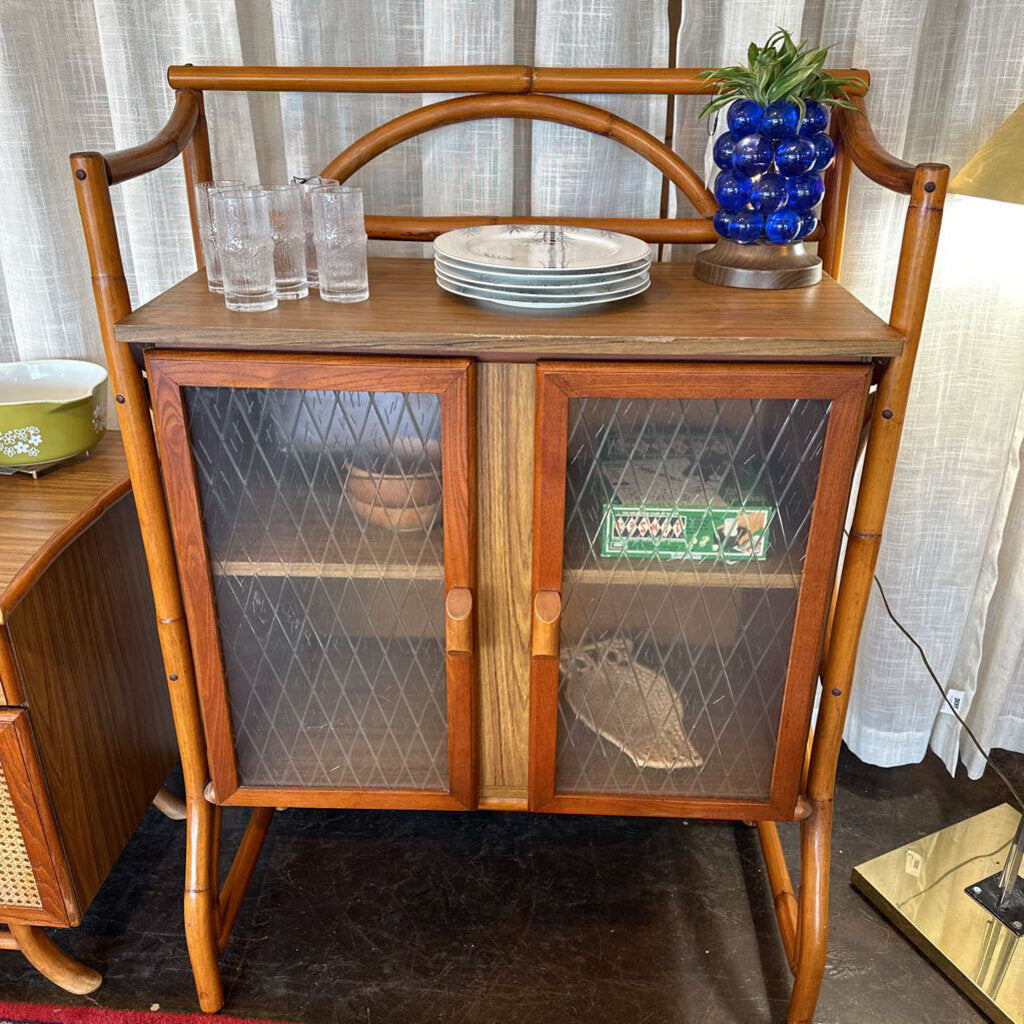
<point>537,108</point>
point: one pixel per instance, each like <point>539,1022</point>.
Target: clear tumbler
<point>241,222</point>
<point>289,241</point>
<point>339,234</point>
<point>308,185</point>
<point>206,234</point>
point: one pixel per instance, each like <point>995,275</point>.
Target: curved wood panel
<point>40,518</point>
<point>159,150</point>
<point>539,108</point>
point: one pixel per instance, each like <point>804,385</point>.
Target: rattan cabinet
<point>401,550</point>
<point>86,738</point>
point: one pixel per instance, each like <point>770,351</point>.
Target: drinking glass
<point>308,185</point>
<point>286,229</point>
<point>340,238</point>
<point>206,235</point>
<point>241,223</point>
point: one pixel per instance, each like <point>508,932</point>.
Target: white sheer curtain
<point>90,74</point>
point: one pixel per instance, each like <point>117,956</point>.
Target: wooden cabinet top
<point>678,317</point>
<point>38,518</point>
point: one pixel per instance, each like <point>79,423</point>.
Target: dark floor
<point>359,917</point>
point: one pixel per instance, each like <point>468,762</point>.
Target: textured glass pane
<point>322,516</point>
<point>685,531</point>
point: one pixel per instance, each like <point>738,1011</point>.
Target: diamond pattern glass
<point>686,527</point>
<point>322,516</point>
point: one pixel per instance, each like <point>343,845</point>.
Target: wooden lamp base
<point>757,266</point>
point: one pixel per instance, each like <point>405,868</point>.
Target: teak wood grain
<point>454,383</point>
<point>506,405</point>
<point>39,517</point>
<point>407,313</point>
<point>846,388</point>
<point>84,640</point>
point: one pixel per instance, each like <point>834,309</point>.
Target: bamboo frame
<point>802,914</point>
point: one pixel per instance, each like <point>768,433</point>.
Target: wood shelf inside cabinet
<point>314,548</point>
<point>741,576</point>
<point>328,570</point>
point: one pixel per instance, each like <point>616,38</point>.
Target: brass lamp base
<point>757,266</point>
<point>921,887</point>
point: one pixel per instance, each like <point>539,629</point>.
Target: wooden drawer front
<point>31,862</point>
<point>686,528</point>
<point>324,521</point>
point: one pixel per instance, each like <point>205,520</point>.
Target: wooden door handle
<point>458,614</point>
<point>547,618</point>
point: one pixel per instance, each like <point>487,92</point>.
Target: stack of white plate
<point>541,266</point>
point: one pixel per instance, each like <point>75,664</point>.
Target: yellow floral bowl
<point>50,410</point>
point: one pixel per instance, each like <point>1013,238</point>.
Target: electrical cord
<point>935,679</point>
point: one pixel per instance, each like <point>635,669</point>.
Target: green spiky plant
<point>779,71</point>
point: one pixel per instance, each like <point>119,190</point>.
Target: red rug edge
<point>108,1015</point>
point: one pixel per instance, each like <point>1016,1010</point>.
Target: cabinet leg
<point>169,805</point>
<point>200,904</point>
<point>812,937</point>
<point>54,963</point>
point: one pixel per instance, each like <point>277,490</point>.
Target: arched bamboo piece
<point>159,150</point>
<point>169,805</point>
<point>495,78</point>
<point>540,108</point>
<point>868,153</point>
<point>52,962</point>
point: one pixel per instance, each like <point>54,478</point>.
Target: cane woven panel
<point>672,669</point>
<point>17,880</point>
<point>321,511</point>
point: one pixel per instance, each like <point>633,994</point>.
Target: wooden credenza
<point>86,736</point>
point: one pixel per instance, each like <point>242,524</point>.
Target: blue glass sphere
<point>744,117</point>
<point>815,118</point>
<point>732,190</point>
<point>825,150</point>
<point>795,156</point>
<point>808,222</point>
<point>781,121</point>
<point>805,191</point>
<point>746,226</point>
<point>768,193</point>
<point>752,155</point>
<point>724,146</point>
<point>721,220</point>
<point>782,226</point>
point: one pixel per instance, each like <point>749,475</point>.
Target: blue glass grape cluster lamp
<point>770,162</point>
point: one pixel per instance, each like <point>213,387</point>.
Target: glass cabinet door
<point>687,524</point>
<point>320,508</point>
